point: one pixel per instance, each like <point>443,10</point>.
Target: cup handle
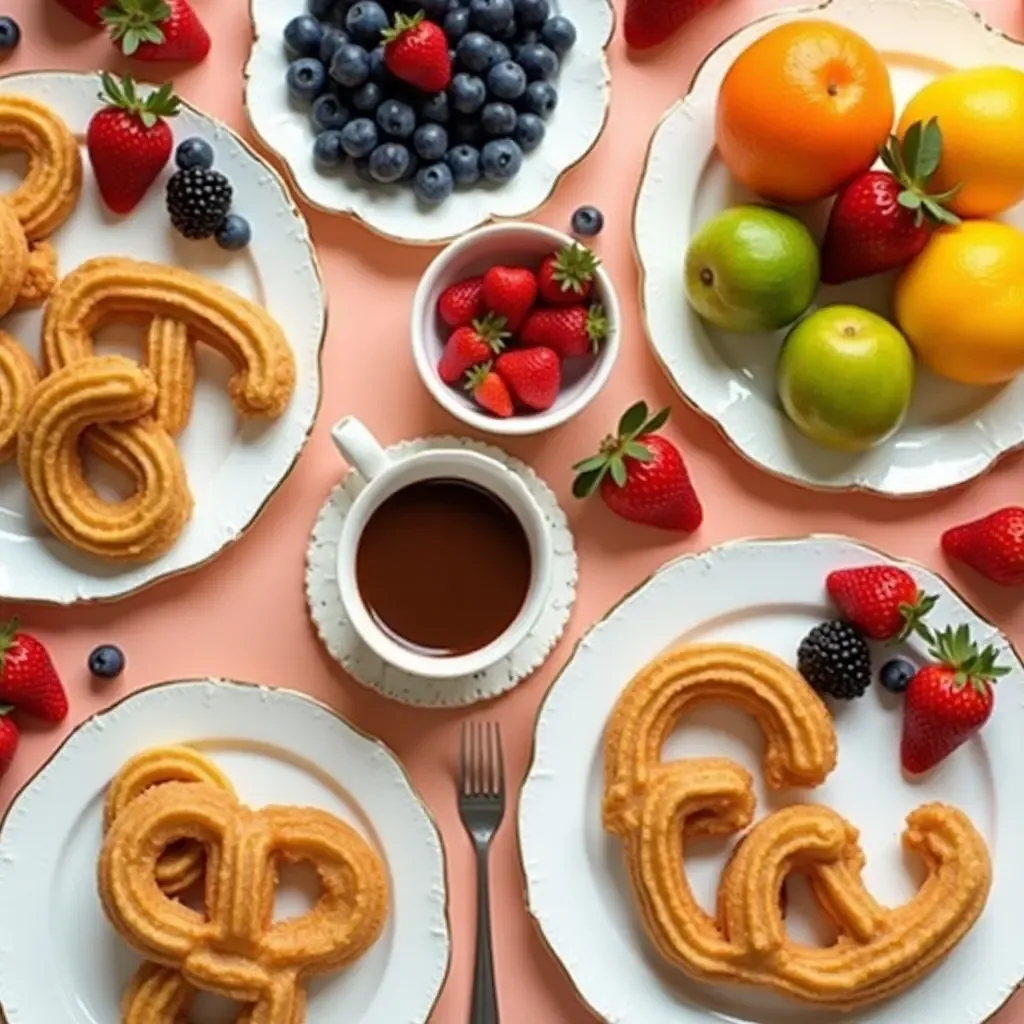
<point>359,448</point>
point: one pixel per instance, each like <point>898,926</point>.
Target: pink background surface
<point>245,616</point>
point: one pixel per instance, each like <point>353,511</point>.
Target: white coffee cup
<point>384,476</point>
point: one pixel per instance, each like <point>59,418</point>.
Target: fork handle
<point>484,1008</point>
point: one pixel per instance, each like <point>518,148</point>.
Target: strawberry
<point>416,51</point>
<point>533,375</point>
<point>570,330</point>
<point>85,10</point>
<point>994,545</point>
<point>649,23</point>
<point>641,475</point>
<point>489,390</point>
<point>883,219</point>
<point>28,679</point>
<point>567,276</point>
<point>883,602</point>
<point>129,141</point>
<point>156,30</point>
<point>949,701</point>
<point>9,738</point>
<point>510,292</point>
<point>468,346</point>
<point>462,302</point>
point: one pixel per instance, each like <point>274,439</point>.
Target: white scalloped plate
<point>233,469</point>
<point>953,432</point>
<point>572,132</point>
<point>59,958</point>
<point>768,594</point>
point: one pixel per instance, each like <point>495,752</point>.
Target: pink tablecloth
<point>245,616</point>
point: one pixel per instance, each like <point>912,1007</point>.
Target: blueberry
<point>10,34</point>
<point>329,149</point>
<point>351,65</point>
<point>306,78</point>
<point>359,137</point>
<point>540,98</point>
<point>468,93</point>
<point>388,162</point>
<point>559,33</point>
<point>506,81</point>
<point>194,153</point>
<point>412,167</point>
<point>332,40</point>
<point>396,118</point>
<point>435,108</point>
<point>434,10</point>
<point>456,24</point>
<point>362,167</point>
<point>498,118</point>
<point>474,51</point>
<point>464,163</point>
<point>302,36</point>
<point>329,112</point>
<point>107,662</point>
<point>500,160</point>
<point>508,33</point>
<point>378,69</point>
<point>320,8</point>
<point>235,233</point>
<point>368,97</point>
<point>529,132</point>
<point>896,675</point>
<point>499,54</point>
<point>531,13</point>
<point>365,22</point>
<point>430,141</point>
<point>538,61</point>
<point>433,184</point>
<point>339,11</point>
<point>491,16</point>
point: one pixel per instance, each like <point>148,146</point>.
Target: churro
<point>655,807</point>
<point>112,398</point>
<point>171,358</point>
<point>18,378</point>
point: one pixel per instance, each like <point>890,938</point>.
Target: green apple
<point>845,377</point>
<point>751,269</point>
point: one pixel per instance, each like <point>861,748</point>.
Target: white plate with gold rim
<point>767,594</point>
<point>952,432</point>
<point>233,468</point>
<point>59,958</point>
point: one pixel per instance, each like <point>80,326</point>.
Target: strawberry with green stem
<point>157,30</point>
<point>28,678</point>
<point>566,277</point>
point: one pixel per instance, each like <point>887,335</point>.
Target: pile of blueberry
<point>504,54</point>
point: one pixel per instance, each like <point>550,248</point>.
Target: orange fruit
<point>802,110</point>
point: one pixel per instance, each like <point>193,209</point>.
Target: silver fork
<point>482,807</point>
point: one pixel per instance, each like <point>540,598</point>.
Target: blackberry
<point>198,201</point>
<point>834,658</point>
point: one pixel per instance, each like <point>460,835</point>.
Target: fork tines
<point>481,762</point>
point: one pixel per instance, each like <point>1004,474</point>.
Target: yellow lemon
<point>960,303</point>
<point>981,114</point>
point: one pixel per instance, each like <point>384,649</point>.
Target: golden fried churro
<point>119,395</point>
<point>105,290</point>
<point>655,807</point>
<point>18,378</point>
<point>236,950</point>
<point>171,358</point>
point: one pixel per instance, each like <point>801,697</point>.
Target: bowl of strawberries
<point>515,328</point>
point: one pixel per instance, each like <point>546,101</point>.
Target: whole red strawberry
<point>10,737</point>
<point>947,702</point>
<point>993,545</point>
<point>650,22</point>
<point>510,292</point>
<point>85,10</point>
<point>641,475</point>
<point>882,601</point>
<point>883,219</point>
<point>469,346</point>
<point>489,391</point>
<point>566,277</point>
<point>28,679</point>
<point>462,302</point>
<point>416,51</point>
<point>533,375</point>
<point>129,141</point>
<point>157,30</point>
<point>571,331</point>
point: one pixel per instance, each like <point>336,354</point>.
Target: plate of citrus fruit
<point>830,230</point>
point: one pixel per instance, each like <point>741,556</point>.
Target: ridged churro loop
<point>235,949</point>
<point>113,398</point>
<point>171,358</point>
<point>18,378</point>
<point>106,290</point>
<point>655,807</point>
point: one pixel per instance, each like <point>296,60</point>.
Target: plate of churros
<point>747,802</point>
<point>211,851</point>
<point>155,391</point>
